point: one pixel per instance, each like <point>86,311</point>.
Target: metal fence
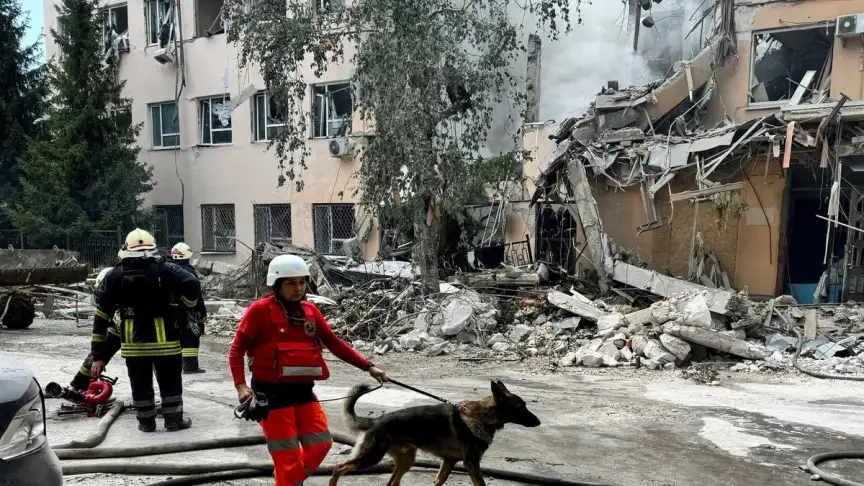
<point>11,238</point>
<point>333,225</point>
<point>218,228</point>
<point>98,248</point>
<point>272,223</point>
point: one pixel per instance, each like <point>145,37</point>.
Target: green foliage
<point>86,175</point>
<point>21,95</point>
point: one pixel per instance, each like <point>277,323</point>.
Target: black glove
<point>255,409</point>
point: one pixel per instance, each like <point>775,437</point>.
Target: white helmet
<point>140,240</point>
<point>286,266</point>
<point>181,251</point>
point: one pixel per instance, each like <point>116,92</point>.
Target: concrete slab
<point>660,428</point>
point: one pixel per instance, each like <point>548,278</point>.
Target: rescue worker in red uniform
<point>282,337</point>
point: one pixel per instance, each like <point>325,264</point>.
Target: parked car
<point>25,457</point>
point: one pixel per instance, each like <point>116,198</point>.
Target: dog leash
<point>416,390</point>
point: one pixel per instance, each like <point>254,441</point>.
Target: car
<point>25,456</point>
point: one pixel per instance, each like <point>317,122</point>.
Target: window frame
<point>215,248</point>
<point>268,210</point>
<point>332,236</point>
<point>125,108</point>
<point>761,105</point>
<point>162,134</point>
<point>267,115</point>
<point>110,9</point>
<point>160,17</point>
<point>230,129</point>
<point>164,235</point>
<point>327,99</point>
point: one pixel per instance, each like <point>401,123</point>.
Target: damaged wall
<point>734,78</point>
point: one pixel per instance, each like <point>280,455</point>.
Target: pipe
<point>816,373</point>
<point>173,448</point>
<point>814,460</point>
<point>217,478</point>
<point>265,468</point>
<point>102,430</point>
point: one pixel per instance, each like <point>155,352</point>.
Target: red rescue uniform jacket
<point>265,328</point>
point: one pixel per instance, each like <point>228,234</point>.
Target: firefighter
<point>282,335</point>
<point>94,365</point>
<point>140,288</point>
<point>191,323</point>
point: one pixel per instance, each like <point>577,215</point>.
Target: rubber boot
<point>190,365</point>
<point>147,425</point>
<point>179,423</point>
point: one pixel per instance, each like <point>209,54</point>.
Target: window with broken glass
<point>165,125</point>
<point>214,121</point>
<point>268,120</point>
<point>333,225</point>
<point>217,228</point>
<point>791,66</point>
<point>272,223</point>
<point>326,5</point>
<point>208,16</point>
<point>331,110</point>
<point>122,117</point>
<point>157,14</point>
<point>116,21</point>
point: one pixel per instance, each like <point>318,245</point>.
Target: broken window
<point>122,117</point>
<point>209,17</point>
<point>169,226</point>
<point>325,5</point>
<point>157,15</point>
<point>214,121</point>
<point>269,122</point>
<point>791,65</point>
<point>217,228</point>
<point>333,225</point>
<point>331,110</point>
<point>165,125</point>
<point>272,223</point>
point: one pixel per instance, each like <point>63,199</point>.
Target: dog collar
<point>463,407</point>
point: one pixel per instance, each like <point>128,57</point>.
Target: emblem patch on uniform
<point>309,327</point>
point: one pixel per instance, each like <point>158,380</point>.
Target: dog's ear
<point>499,391</point>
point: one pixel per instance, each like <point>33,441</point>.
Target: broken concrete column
<point>610,322</point>
<point>573,305</point>
<point>715,340</point>
<point>589,216</point>
<point>676,346</point>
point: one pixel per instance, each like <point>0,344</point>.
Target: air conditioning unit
<point>340,147</point>
<point>338,245</point>
<point>850,25</point>
<point>163,56</point>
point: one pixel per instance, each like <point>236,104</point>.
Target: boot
<point>147,425</point>
<point>190,365</point>
<point>177,423</point>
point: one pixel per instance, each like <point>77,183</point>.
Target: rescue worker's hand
<point>378,374</point>
<point>96,369</point>
<point>244,393</point>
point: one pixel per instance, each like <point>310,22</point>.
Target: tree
<point>21,96</point>
<point>428,76</point>
<point>86,174</point>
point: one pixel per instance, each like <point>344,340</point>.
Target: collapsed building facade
<point>741,169</point>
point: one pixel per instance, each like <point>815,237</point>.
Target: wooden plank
<point>656,283</point>
<point>683,196</point>
<point>802,87</point>
<point>811,322</point>
<point>787,152</point>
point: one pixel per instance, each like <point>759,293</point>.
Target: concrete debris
<point>656,351</point>
<point>714,340</point>
<point>574,305</point>
<point>592,359</point>
<point>676,346</point>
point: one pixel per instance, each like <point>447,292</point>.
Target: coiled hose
<point>825,456</point>
<point>210,473</point>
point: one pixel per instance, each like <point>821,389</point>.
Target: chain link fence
<point>333,225</point>
<point>272,223</point>
<point>218,228</point>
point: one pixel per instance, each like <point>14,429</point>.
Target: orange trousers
<point>298,440</point>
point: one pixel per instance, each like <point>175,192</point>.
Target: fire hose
<point>212,473</point>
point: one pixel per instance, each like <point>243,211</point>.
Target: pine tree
<point>86,175</point>
<point>21,95</point>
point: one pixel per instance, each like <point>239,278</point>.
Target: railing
<point>98,248</point>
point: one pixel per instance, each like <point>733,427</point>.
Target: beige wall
<point>243,173</point>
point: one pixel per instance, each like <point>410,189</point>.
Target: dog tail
<point>355,423</point>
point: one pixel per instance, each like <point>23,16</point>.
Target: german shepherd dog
<point>451,432</point>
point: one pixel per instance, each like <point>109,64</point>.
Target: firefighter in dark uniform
<point>92,367</point>
<point>140,288</point>
<point>191,323</point>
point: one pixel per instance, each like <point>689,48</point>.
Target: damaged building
<point>741,169</point>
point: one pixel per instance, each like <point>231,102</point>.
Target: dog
<point>451,432</point>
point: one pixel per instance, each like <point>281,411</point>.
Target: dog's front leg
<point>444,472</point>
<point>472,465</point>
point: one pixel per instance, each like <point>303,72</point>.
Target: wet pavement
<point>619,426</point>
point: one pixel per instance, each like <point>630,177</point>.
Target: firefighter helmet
<point>140,240</point>
<point>181,251</point>
<point>286,266</point>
